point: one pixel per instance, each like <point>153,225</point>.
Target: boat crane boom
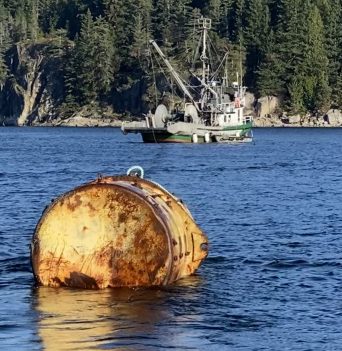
<point>174,74</point>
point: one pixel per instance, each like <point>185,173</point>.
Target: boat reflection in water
<point>121,319</point>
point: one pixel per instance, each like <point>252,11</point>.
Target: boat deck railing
<point>247,119</point>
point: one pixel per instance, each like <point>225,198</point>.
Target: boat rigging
<point>212,113</point>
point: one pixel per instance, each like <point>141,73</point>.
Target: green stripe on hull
<point>168,138</point>
<point>247,126</point>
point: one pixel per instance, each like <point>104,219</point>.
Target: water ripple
<point>273,214</point>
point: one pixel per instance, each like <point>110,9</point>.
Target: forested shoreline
<point>58,57</point>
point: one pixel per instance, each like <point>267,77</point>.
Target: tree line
<point>290,48</point>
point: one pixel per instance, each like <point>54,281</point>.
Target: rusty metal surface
<point>116,231</point>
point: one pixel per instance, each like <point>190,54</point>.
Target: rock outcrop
<point>249,103</point>
<point>266,106</point>
<point>300,121</point>
<point>34,87</point>
<point>334,117</point>
<point>87,117</point>
<point>269,121</point>
<point>268,113</point>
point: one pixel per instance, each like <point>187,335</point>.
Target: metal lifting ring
<point>136,171</point>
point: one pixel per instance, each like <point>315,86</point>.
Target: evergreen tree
<point>180,14</point>
<point>315,64</point>
<point>140,38</point>
<point>32,19</point>
<point>296,93</point>
<point>20,27</point>
<point>3,69</point>
<point>92,60</point>
<point>70,77</point>
<point>131,22</point>
<point>290,49</point>
<point>4,42</point>
<point>237,21</point>
<point>122,15</point>
<point>141,32</point>
<point>220,12</point>
<point>257,35</point>
<point>268,76</point>
<point>104,58</point>
<point>214,13</point>
<point>290,35</point>
<point>331,14</point>
<point>48,15</point>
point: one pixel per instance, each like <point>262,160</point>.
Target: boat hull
<point>224,137</point>
<point>165,137</point>
<point>189,133</point>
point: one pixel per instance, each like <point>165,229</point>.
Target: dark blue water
<point>272,211</point>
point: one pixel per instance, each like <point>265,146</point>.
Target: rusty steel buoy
<point>116,231</point>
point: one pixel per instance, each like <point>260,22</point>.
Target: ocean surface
<point>272,210</point>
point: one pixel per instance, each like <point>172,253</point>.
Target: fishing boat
<point>212,109</point>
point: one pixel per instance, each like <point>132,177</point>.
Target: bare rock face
<point>34,87</point>
<point>296,119</point>
<point>269,121</point>
<point>265,109</point>
<point>334,117</point>
<point>249,103</point>
<point>80,121</point>
<point>266,106</point>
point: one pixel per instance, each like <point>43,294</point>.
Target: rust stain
<point>91,207</point>
<point>122,218</point>
<point>74,203</point>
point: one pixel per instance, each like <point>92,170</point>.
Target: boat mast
<point>206,25</point>
<point>174,74</point>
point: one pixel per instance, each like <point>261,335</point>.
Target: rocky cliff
<point>33,93</point>
<point>34,86</point>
